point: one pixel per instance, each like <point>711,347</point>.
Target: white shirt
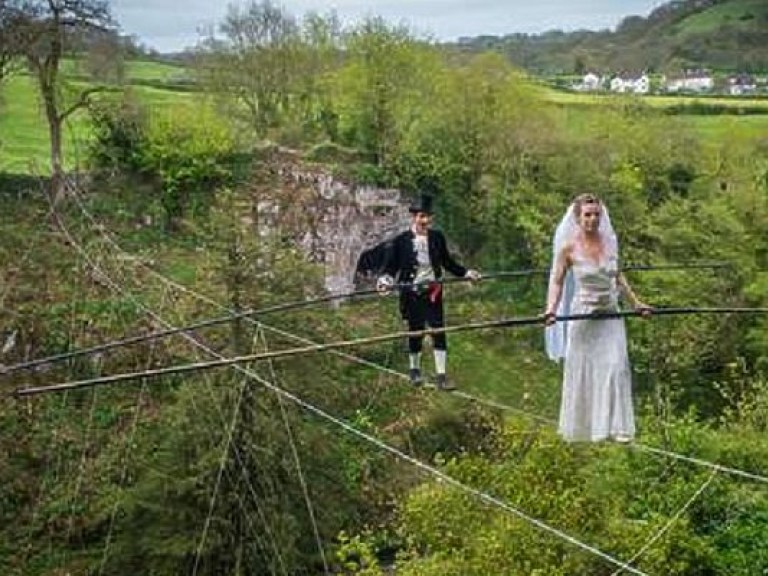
<point>424,271</point>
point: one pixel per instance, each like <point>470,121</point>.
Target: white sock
<point>441,358</point>
<point>414,360</point>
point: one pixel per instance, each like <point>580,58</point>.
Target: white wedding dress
<point>597,382</point>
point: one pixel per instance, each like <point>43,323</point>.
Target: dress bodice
<point>596,287</point>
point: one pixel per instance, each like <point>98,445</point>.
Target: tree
<point>385,65</point>
<point>44,32</point>
<point>255,61</point>
<point>322,41</point>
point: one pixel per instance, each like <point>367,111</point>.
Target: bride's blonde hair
<point>583,199</point>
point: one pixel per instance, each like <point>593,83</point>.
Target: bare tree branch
<point>84,99</point>
<point>43,32</point>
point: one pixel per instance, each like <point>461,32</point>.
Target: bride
<point>597,382</point>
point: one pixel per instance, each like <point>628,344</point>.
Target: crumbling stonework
<point>332,220</point>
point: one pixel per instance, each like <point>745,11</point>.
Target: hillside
<point>726,35</point>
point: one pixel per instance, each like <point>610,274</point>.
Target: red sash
<point>434,291</point>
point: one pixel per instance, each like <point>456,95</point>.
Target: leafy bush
<point>119,129</point>
<point>188,151</point>
<point>184,151</point>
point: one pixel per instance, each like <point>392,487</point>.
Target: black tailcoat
<point>400,257</point>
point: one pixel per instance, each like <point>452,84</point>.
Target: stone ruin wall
<point>345,220</point>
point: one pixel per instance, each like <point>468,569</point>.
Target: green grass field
<point>146,70</point>
<point>654,101</point>
<point>141,70</point>
<point>23,131</point>
<point>24,143</point>
<point>714,129</point>
<point>711,130</point>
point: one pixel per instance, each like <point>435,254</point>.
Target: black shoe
<point>415,376</point>
<point>443,384</point>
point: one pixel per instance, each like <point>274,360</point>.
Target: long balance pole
<point>302,304</point>
<point>501,323</point>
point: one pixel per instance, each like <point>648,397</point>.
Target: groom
<point>415,259</point>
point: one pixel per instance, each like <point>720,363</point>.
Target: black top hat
<point>423,204</point>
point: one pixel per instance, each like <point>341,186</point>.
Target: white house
<point>691,81</point>
<point>641,84</point>
<point>631,84</point>
<point>618,84</point>
<point>741,85</point>
<point>591,82</point>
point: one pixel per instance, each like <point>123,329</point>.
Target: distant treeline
<point>726,35</point>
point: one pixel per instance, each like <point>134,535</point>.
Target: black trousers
<point>420,310</point>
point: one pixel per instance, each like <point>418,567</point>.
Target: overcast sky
<point>169,25</point>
